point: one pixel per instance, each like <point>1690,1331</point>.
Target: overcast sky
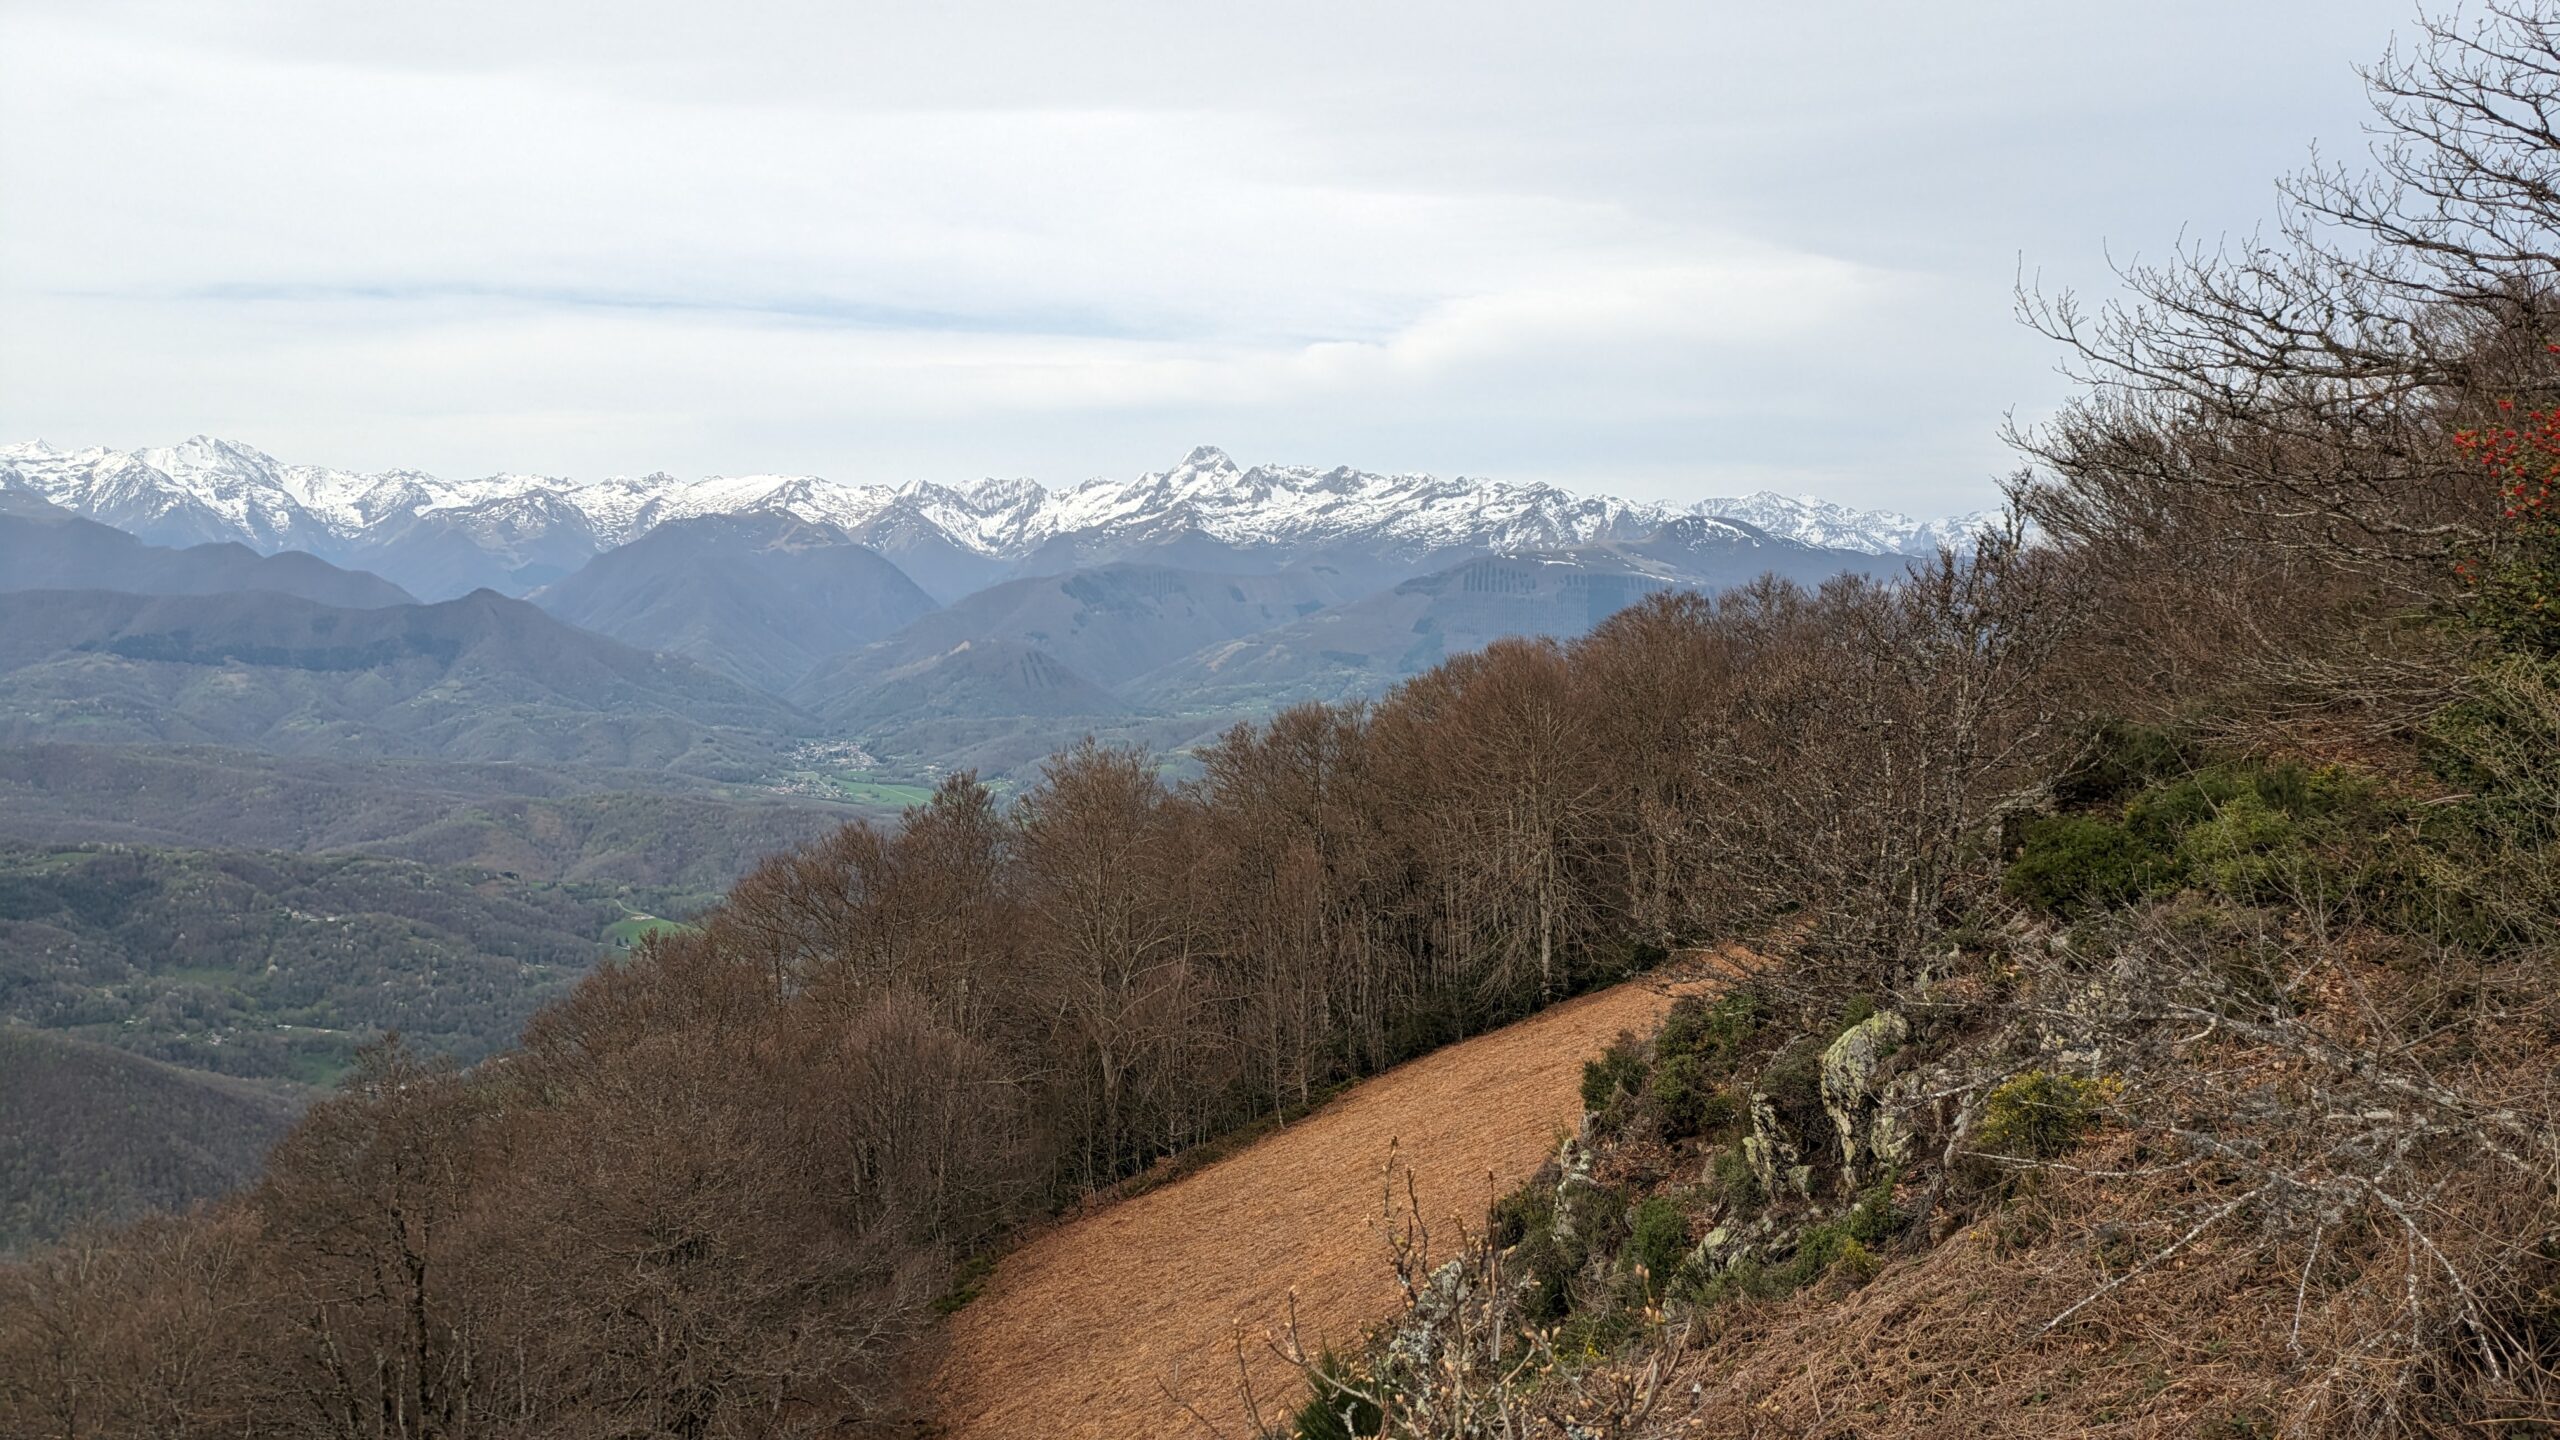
<point>1658,250</point>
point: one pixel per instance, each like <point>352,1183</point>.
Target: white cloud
<point>1658,250</point>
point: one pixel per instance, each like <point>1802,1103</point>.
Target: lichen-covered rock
<point>1776,1161</point>
<point>1414,1347</point>
<point>1849,1093</point>
<point>1573,1166</point>
<point>1728,1243</point>
<point>2071,1029</point>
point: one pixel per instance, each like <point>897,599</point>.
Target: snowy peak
<point>992,495</point>
<point>208,488</point>
<point>1815,521</point>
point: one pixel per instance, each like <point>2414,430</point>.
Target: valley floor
<point>1110,1325</point>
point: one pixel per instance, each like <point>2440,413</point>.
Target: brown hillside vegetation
<point>2157,1033</point>
<point>2200,1082</point>
<point>92,1133</point>
<point>1111,1324</point>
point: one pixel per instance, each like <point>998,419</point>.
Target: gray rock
<point>1849,1091</point>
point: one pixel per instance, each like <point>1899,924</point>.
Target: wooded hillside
<point>2159,1036</point>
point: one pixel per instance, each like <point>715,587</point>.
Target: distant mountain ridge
<point>518,532</point>
<point>479,678</point>
<point>44,547</point>
<point>1361,647</point>
<point>762,598</point>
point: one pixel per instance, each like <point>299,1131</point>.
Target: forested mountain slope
<point>1105,624</point>
<point>277,966</point>
<point>90,1134</point>
<point>760,598</point>
<point>642,828</point>
<point>480,678</point>
<point>1361,647</point>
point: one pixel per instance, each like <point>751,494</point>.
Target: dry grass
<point>1109,1325</point>
<point>1947,1343</point>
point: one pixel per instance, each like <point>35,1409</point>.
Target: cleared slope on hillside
<point>1093,1329</point>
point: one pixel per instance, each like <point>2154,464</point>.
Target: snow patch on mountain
<point>208,488</point>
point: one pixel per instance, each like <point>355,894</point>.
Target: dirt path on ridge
<point>1082,1331</point>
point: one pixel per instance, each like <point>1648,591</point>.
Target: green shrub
<point>1715,1031</point>
<point>1859,1010</point>
<point>1620,1069</point>
<point>1593,1336</point>
<point>1733,1183</point>
<point>1855,1260</point>
<point>2070,864</point>
<point>2118,759</point>
<point>2158,816</point>
<point>1549,1261</point>
<point>1549,1271</point>
<point>1819,1251</point>
<point>2501,744</point>
<point>2249,850</point>
<point>1332,1414</point>
<point>1876,1219</point>
<point>2039,1114</point>
<point>1793,1083</point>
<point>1846,1246</point>
<point>1659,1240</point>
<point>1685,1102</point>
<point>2253,832</point>
<point>1596,1212</point>
<point>1524,1211</point>
<point>2162,814</point>
<point>1747,1276</point>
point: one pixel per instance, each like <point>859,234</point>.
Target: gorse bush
<point>1521,1213</point>
<point>2255,833</point>
<point>2249,851</point>
<point>2163,813</point>
<point>1792,1083</point>
<point>2499,745</point>
<point>2040,1114</point>
<point>1336,1408</point>
<point>2071,864</point>
<point>1618,1070</point>
<point>1714,1030</point>
<point>2117,760</point>
<point>1732,1185</point>
<point>1686,1103</point>
<point>1659,1241</point>
<point>1694,1056</point>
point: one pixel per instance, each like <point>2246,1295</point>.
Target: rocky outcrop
<point>1772,1152</point>
<point>1850,1094</point>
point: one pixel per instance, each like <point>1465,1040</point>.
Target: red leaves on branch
<point>2519,586</point>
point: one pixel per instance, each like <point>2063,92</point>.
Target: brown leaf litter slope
<point>1094,1329</point>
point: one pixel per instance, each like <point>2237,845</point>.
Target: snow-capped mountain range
<point>517,532</point>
